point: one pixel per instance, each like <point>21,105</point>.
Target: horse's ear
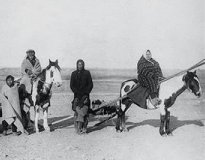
<point>194,72</point>
<point>49,61</point>
<point>56,61</point>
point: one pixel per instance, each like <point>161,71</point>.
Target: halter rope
<point>200,63</point>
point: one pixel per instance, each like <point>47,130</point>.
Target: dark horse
<point>41,94</point>
<point>169,91</point>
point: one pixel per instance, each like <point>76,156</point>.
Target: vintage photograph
<point>102,80</point>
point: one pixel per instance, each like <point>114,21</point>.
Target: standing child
<point>82,115</point>
<point>11,112</point>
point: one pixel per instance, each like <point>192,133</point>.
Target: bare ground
<point>142,142</point>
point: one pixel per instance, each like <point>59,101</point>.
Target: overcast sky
<point>105,33</point>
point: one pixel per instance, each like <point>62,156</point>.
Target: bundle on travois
<point>99,107</point>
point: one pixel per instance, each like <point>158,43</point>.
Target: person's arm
<point>37,68</point>
<point>72,84</point>
<point>3,93</point>
<point>90,84</point>
<point>24,70</point>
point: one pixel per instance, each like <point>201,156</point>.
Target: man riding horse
<point>149,74</point>
<point>30,69</point>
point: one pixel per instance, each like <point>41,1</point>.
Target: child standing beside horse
<point>11,110</point>
<point>81,114</point>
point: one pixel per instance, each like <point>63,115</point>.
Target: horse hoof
<point>26,132</point>
<point>118,131</point>
<point>169,133</point>
<point>163,134</point>
<point>36,130</point>
<point>125,130</point>
<point>47,129</point>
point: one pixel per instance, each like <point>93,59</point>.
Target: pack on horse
<point>168,94</point>
<point>41,92</point>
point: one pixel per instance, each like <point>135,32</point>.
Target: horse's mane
<point>42,75</point>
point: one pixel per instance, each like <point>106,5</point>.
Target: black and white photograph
<point>102,79</point>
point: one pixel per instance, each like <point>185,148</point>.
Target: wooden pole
<point>200,63</point>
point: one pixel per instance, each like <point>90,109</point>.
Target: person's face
<point>148,55</point>
<point>31,56</point>
<point>80,66</point>
<point>10,82</point>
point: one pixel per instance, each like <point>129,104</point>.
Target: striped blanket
<point>26,79</point>
<point>149,73</point>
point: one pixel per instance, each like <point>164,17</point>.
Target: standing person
<point>81,84</point>
<point>149,74</point>
<point>11,111</point>
<point>81,115</point>
<point>81,81</point>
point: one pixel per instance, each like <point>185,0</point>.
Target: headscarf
<point>83,63</point>
<point>9,76</point>
<point>144,55</point>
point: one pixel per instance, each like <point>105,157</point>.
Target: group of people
<point>14,91</point>
<point>81,84</point>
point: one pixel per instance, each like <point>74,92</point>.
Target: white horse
<point>169,91</point>
<point>41,91</point>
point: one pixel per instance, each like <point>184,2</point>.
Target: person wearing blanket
<point>11,111</point>
<point>30,69</point>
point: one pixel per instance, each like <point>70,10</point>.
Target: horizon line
<point>91,68</point>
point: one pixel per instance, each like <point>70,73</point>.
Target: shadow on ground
<point>174,123</point>
<point>67,121</point>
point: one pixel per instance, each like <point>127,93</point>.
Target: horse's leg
<point>117,127</point>
<point>45,119</point>
<point>28,116</point>
<point>167,127</point>
<point>124,128</point>
<point>119,119</point>
<point>162,124</point>
<point>163,120</point>
<point>85,124</point>
<point>120,124</point>
<point>37,112</point>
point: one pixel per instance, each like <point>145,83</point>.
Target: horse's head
<point>53,74</point>
<point>191,80</point>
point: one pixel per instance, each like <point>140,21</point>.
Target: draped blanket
<point>26,64</point>
<point>11,111</point>
<point>149,72</point>
<point>36,70</point>
<point>139,96</point>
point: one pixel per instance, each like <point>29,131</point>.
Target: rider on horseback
<point>149,74</point>
<point>30,69</point>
